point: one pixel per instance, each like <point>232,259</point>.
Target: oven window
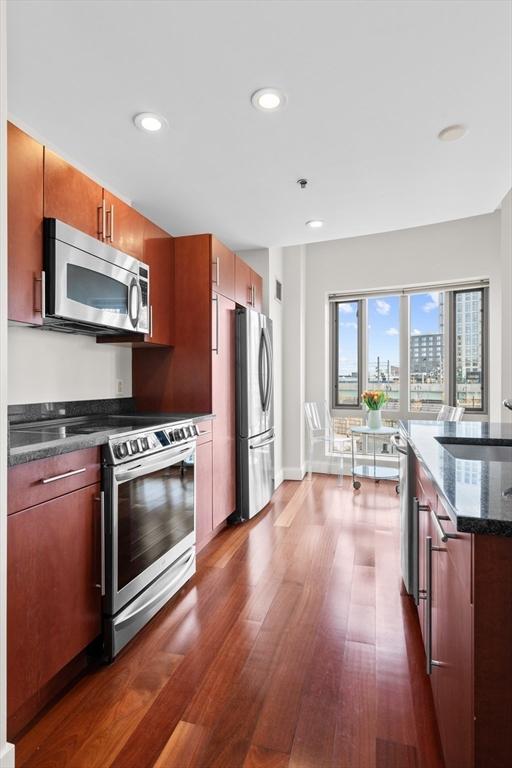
<point>155,512</point>
<point>96,290</point>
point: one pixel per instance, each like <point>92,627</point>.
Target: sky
<point>383,327</point>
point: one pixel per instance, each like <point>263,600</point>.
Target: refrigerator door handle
<point>262,445</point>
<point>263,387</point>
<point>270,365</point>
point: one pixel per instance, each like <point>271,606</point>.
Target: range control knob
<point>135,446</point>
<point>120,450</point>
<point>144,443</point>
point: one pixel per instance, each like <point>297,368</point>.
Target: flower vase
<point>374,419</point>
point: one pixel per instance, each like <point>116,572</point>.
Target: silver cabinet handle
<point>249,300</point>
<point>216,347</point>
<point>206,432</point>
<point>253,296</point>
<point>101,499</point>
<point>102,217</point>
<point>150,321</point>
<point>398,445</point>
<point>441,531</point>
<point>46,480</point>
<point>429,548</point>
<point>428,598</point>
<point>42,304</point>
<point>110,215</point>
<point>217,271</point>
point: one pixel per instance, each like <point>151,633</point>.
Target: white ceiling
<point>369,86</point>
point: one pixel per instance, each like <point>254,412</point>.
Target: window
<point>424,348</point>
<point>384,347</point>
<point>347,381</point>
<point>426,351</point>
<point>469,349</point>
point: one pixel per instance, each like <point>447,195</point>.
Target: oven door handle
<point>146,467</point>
<point>167,588</point>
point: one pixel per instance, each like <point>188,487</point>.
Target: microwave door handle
<point>134,318</point>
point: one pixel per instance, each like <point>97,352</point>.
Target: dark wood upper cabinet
<point>71,196</point>
<point>223,269</point>
<point>53,605</point>
<point>25,225</point>
<point>158,253</point>
<point>124,226</point>
<point>248,286</point>
<point>256,291</point>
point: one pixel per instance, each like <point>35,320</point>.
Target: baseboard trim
<point>7,756</point>
<point>294,473</point>
<point>278,479</point>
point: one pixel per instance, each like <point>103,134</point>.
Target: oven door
<point>152,521</point>
<point>87,289</point>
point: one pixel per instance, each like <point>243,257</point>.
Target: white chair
<point>320,430</point>
<point>450,413</point>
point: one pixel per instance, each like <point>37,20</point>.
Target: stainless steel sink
<point>477,451</point>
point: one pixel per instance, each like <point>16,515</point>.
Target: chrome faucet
<point>508,404</point>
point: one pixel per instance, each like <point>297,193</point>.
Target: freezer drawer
<point>255,473</point>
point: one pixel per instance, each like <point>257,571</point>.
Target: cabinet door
<point>204,493</point>
<point>53,605</point>
<point>452,675</point>
<point>158,254</point>
<point>25,225</point>
<point>71,196</point>
<point>223,406</point>
<point>124,227</point>
<point>242,282</point>
<point>223,269</point>
<point>257,291</point>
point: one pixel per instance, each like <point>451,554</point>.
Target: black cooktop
<point>58,429</point>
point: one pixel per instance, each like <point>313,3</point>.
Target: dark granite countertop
<point>50,436</point>
<point>477,494</point>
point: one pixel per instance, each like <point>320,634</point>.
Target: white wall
<point>268,262</point>
<point>294,361</point>
<point>6,750</point>
<point>46,366</point>
<point>506,309</point>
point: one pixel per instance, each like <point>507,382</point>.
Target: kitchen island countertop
<point>477,493</point>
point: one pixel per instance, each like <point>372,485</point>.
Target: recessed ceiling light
<point>314,224</point>
<point>268,99</point>
<point>149,121</point>
<point>452,133</point>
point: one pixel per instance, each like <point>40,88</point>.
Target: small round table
<point>371,469</point>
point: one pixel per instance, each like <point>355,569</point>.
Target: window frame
<point>449,347</point>
<point>334,326</point>
<point>484,291</point>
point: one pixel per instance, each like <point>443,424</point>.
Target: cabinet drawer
<point>205,432</point>
<point>425,489</point>
<point>459,550</point>
<point>26,486</point>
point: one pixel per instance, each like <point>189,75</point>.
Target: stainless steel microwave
<point>90,287</point>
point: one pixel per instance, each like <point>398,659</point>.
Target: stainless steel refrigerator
<point>254,412</point>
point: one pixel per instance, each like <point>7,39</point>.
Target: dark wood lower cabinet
<point>204,493</point>
<point>223,406</point>
<point>53,605</point>
<point>471,633</point>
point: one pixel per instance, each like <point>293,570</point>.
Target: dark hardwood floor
<point>292,647</point>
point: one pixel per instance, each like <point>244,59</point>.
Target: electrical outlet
<point>119,386</point>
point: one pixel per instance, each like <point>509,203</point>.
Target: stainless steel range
<point>149,525</point>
